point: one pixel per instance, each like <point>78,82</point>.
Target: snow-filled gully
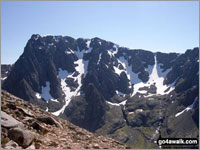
<point>156,78</point>
<point>63,74</point>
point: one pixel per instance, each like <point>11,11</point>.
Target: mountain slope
<point>61,134</point>
<point>115,91</point>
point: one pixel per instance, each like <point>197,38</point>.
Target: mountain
<point>39,129</point>
<point>126,94</point>
<point>5,70</point>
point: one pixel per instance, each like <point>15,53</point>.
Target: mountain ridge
<point>85,80</point>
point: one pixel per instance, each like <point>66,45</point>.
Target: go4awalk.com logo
<point>177,142</point>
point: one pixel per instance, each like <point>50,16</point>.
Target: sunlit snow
<point>69,51</point>
<point>38,95</point>
<point>63,74</point>
<point>112,52</point>
<point>3,78</point>
<point>88,43</point>
<point>116,47</point>
<point>37,36</point>
<point>117,104</point>
<point>157,78</point>
<point>120,93</point>
<point>133,77</point>
<point>117,70</point>
<point>187,108</point>
<point>54,100</point>
<point>99,58</point>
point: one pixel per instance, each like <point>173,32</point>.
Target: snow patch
<point>3,78</point>
<point>110,53</point>
<point>45,35</point>
<point>38,95</point>
<point>117,104</point>
<point>156,78</point>
<point>120,93</point>
<point>54,100</point>
<point>142,92</point>
<point>123,103</point>
<point>99,58</point>
<point>88,43</point>
<point>133,77</point>
<point>187,108</point>
<point>37,36</point>
<point>117,70</point>
<point>69,51</point>
<point>63,74</point>
<point>81,67</point>
<point>114,104</point>
<point>116,49</point>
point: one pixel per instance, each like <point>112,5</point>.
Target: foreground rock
<point>49,120</point>
<point>23,137</point>
<point>8,121</point>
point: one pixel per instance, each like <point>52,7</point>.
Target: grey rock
<point>26,112</point>
<point>8,121</point>
<point>49,120</point>
<point>23,137</point>
<point>39,127</point>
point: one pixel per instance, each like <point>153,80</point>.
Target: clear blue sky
<point>156,26</point>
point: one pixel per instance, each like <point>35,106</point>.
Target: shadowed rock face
<point>89,81</point>
<point>5,70</point>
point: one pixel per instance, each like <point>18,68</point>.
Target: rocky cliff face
<point>5,70</point>
<point>114,91</point>
<point>29,127</point>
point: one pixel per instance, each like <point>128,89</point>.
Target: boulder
<point>8,121</point>
<point>49,120</point>
<point>39,127</point>
<point>26,112</point>
<point>23,137</point>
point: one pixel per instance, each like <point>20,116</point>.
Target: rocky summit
<point>131,95</point>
